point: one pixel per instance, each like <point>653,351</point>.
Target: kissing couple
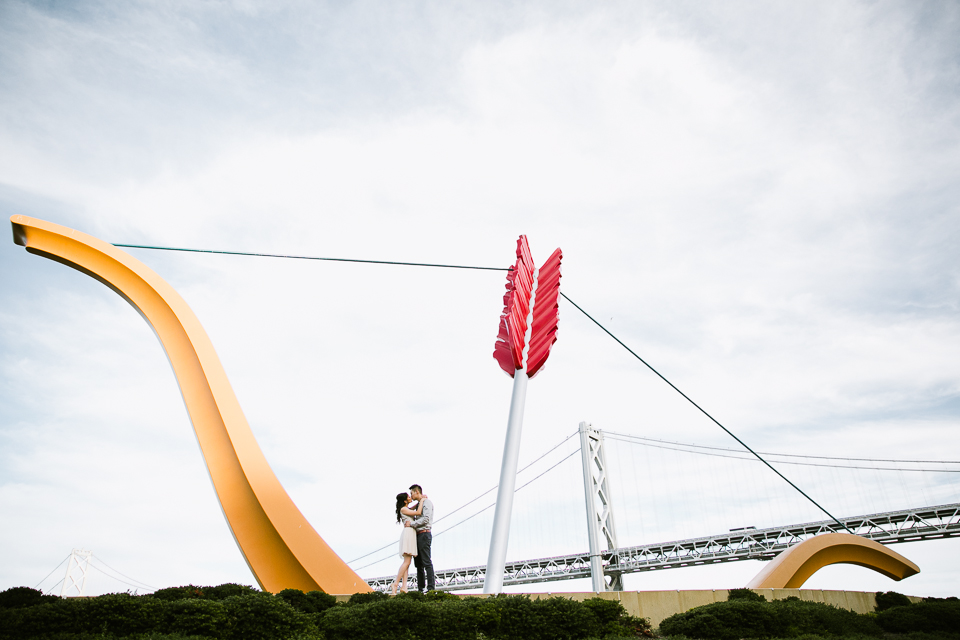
<point>415,513</point>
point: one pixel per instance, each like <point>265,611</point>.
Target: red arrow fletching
<point>508,349</point>
<point>546,313</point>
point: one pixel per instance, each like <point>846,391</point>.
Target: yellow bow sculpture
<point>281,548</point>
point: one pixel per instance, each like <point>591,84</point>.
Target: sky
<point>760,199</point>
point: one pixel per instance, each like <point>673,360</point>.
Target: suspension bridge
<point>606,562</point>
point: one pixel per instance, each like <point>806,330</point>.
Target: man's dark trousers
<point>423,562</point>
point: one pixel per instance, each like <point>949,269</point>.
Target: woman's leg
<point>402,575</point>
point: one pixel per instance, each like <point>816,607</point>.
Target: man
<point>424,538</point>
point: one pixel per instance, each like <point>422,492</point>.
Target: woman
<point>408,539</point>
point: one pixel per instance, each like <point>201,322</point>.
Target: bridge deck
<point>910,525</point>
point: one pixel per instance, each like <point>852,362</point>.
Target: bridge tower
<point>596,492</point>
<point>76,579</point>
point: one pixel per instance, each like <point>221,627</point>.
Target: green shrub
<point>549,618</point>
<point>436,616</point>
<point>19,597</point>
<point>113,614</point>
<point>745,594</point>
<point>181,611</point>
<point>153,635</point>
<point>368,597</point>
<point>891,599</point>
<point>310,602</point>
<point>229,590</point>
<point>729,620</point>
<point>610,618</point>
<point>634,627</point>
<point>220,592</point>
<point>264,617</point>
<point>180,593</point>
<point>384,619</point>
<point>736,619</point>
<point>939,616</point>
<point>195,617</point>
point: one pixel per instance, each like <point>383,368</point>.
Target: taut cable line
<point>563,295</point>
<point>704,412</point>
<point>296,257</point>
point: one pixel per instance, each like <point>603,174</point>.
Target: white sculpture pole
<point>497,558</point>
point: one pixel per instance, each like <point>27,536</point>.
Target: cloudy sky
<point>760,198</point>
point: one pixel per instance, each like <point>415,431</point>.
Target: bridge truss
<point>911,525</point>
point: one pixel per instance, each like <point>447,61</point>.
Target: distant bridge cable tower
<point>596,493</point>
<point>76,579</point>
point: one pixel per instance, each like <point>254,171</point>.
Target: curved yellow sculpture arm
<point>793,567</point>
<point>281,548</point>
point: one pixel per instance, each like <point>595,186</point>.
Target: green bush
<point>437,616</point>
<point>113,614</point>
<point>729,620</point>
<point>195,617</point>
<point>310,602</point>
<point>745,594</point>
<point>153,635</point>
<point>264,617</point>
<point>382,619</point>
<point>941,616</point>
<point>368,597</point>
<point>229,590</point>
<point>891,599</point>
<point>19,597</point>
<point>736,619</point>
<point>184,611</point>
<point>189,592</point>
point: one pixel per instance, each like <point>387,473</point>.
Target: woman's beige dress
<point>408,539</point>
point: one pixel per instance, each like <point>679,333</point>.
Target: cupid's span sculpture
<point>281,548</point>
<point>791,568</point>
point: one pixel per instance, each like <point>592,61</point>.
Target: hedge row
<point>234,612</point>
<point>748,615</point>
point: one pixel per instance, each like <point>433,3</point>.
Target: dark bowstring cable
<point>296,257</point>
<point>714,420</point>
<point>565,297</point>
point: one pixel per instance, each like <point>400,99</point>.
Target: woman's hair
<point>401,500</point>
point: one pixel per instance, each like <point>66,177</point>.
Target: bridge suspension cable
<point>662,444</point>
<point>787,455</point>
<point>52,572</point>
<point>468,518</point>
<point>141,585</point>
<point>487,492</point>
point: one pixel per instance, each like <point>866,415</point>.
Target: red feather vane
<point>508,350</point>
<point>546,313</point>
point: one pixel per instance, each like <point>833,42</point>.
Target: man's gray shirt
<point>426,517</point>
